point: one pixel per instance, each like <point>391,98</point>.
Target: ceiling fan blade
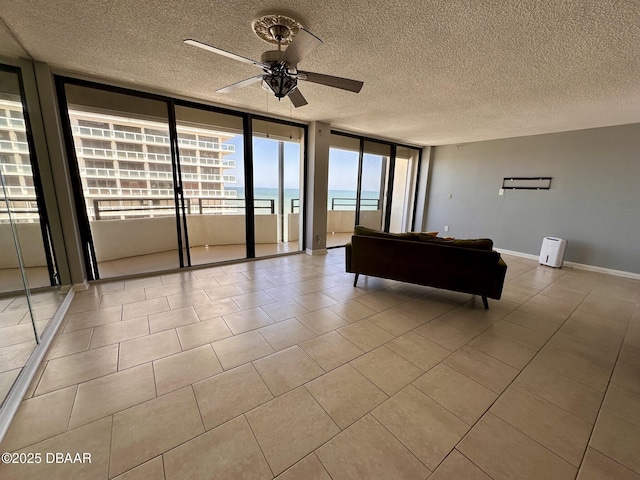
<point>331,81</point>
<point>297,98</point>
<point>224,53</point>
<point>241,84</point>
<point>300,47</point>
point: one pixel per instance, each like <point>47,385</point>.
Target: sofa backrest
<point>430,237</point>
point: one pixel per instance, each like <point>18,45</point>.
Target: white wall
<point>115,239</point>
<point>344,220</point>
<point>31,247</point>
<point>293,226</point>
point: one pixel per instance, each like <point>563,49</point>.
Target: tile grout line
<point>604,396</point>
<point>553,334</point>
<point>256,438</point>
<point>512,382</point>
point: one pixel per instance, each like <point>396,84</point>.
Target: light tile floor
<point>280,367</point>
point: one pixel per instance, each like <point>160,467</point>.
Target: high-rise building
<point>125,165</point>
<point>15,164</point>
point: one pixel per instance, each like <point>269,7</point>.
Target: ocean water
<point>341,199</point>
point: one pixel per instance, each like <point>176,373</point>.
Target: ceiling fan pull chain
<point>268,113</point>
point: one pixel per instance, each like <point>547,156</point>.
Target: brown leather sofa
<point>468,266</point>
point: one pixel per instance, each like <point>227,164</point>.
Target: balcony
<point>13,123</point>
<point>7,146</point>
<point>103,153</point>
<point>127,192</point>
<point>17,169</point>
<point>152,175</point>
<point>101,133</point>
<point>20,191</point>
<point>215,162</point>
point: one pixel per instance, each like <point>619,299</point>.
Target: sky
<point>343,166</point>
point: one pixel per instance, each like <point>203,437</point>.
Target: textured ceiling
<point>435,72</point>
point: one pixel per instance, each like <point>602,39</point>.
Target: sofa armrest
<point>347,257</point>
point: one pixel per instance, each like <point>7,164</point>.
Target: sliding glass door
<point>342,189</point>
<point>126,180</point>
<point>211,163</point>
<point>371,183</point>
<point>277,161</point>
<point>162,183</point>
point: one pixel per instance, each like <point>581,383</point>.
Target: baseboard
<point>319,251</point>
<point>579,266</point>
<point>79,287</point>
<point>517,254</point>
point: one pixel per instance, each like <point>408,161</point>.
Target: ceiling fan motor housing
<point>272,57</point>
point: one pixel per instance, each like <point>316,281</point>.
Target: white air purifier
<point>552,252</point>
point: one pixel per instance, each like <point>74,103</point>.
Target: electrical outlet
<point>446,228</point>
<point>501,191</point>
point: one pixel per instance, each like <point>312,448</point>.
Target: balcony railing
<point>124,192</point>
<point>23,210</point>
<point>154,192</point>
<point>20,191</point>
<point>104,208</point>
<point>212,193</point>
<point>350,203</point>
<point>101,153</point>
<point>7,146</point>
<point>153,175</point>
<point>19,169</point>
<point>148,138</point>
<point>216,162</point>
<point>13,123</point>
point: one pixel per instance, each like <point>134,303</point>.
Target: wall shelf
<point>526,183</point>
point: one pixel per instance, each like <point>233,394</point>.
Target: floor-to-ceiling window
<point>211,159</point>
<point>277,168</point>
<point>127,181</point>
<point>371,183</point>
<point>342,189</point>
<point>163,183</point>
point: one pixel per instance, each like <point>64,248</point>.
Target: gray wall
<point>594,201</point>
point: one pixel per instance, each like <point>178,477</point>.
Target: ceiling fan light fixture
<point>280,83</point>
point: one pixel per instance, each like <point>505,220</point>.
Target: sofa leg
<point>355,280</point>
<point>485,302</point>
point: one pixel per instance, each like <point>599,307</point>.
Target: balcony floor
<point>338,239</point>
<point>199,256</point>
<point>11,280</point>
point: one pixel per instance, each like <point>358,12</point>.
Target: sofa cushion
<point>370,232</point>
<point>474,243</point>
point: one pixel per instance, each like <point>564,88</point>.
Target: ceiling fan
<point>280,72</point>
